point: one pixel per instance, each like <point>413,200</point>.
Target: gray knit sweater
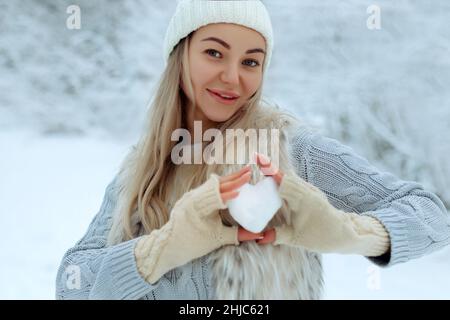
<point>416,220</point>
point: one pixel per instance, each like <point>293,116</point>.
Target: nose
<point>231,74</point>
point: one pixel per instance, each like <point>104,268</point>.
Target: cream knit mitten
<point>193,230</point>
<point>318,226</point>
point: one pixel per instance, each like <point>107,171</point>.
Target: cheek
<point>251,83</point>
<point>200,75</point>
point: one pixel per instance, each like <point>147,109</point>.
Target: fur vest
<point>251,271</point>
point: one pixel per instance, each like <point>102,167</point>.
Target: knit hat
<point>193,14</point>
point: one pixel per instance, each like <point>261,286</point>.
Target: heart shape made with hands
<point>256,204</point>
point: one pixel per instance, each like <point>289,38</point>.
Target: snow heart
<point>256,204</point>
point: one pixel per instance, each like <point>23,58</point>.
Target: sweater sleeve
<point>194,229</point>
<point>416,219</point>
<point>90,270</point>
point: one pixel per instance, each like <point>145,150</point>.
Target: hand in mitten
<point>317,225</point>
<point>194,229</point>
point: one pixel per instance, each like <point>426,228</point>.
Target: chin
<point>219,117</point>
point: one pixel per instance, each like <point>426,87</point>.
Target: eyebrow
<point>226,45</point>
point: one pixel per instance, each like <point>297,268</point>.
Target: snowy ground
<point>51,187</point>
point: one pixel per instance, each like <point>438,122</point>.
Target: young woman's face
<point>226,58</point>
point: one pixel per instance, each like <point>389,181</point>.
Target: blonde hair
<point>148,167</point>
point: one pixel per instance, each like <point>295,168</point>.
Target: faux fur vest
<point>252,271</point>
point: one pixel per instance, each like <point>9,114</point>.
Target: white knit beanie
<point>193,14</point>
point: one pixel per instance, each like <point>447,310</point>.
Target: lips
<point>224,94</point>
<point>220,99</point>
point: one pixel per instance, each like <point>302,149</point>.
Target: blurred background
<point>72,102</point>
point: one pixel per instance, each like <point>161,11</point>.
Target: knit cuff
<point>208,196</point>
<point>229,236</point>
<point>284,235</point>
<point>290,188</point>
<point>396,228</point>
<point>376,239</point>
<point>124,280</point>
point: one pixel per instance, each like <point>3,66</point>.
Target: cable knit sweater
<point>416,220</point>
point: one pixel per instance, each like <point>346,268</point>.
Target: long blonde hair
<point>147,168</point>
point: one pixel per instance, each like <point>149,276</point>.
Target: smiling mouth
<point>222,97</point>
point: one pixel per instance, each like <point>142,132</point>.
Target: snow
<point>73,101</point>
<point>50,191</point>
<point>52,186</point>
<point>355,277</point>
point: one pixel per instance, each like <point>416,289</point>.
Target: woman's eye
<point>255,63</point>
<point>217,54</point>
<point>212,52</point>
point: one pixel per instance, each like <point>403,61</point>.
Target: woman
<point>164,230</point>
